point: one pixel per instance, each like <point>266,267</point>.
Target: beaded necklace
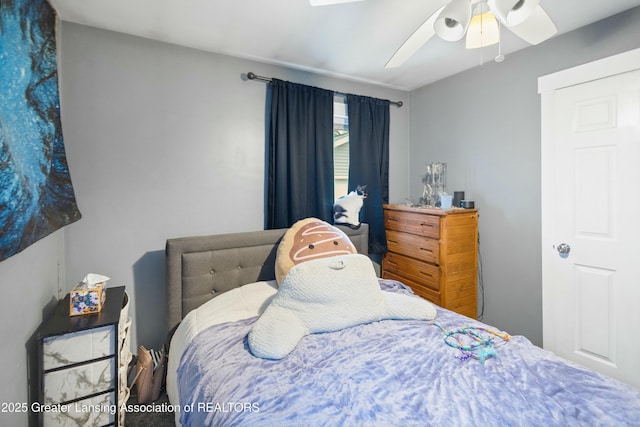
<point>472,343</point>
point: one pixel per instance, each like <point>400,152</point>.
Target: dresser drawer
<point>411,245</point>
<point>96,411</point>
<point>410,222</point>
<point>421,272</point>
<point>67,349</point>
<point>83,380</point>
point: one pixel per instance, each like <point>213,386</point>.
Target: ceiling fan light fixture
<point>483,31</point>
<point>512,12</point>
<point>453,21</point>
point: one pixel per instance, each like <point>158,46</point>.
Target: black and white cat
<point>346,210</point>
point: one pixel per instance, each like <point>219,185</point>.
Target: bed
<point>450,370</point>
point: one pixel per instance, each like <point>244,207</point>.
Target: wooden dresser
<point>435,252</point>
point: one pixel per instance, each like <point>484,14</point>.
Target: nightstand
<point>80,379</point>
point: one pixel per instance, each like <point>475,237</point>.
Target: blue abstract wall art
<point>36,195</point>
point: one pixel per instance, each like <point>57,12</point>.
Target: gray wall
<point>485,124</point>
<point>28,289</point>
<point>165,141</point>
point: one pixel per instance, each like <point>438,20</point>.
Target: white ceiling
<point>352,40</point>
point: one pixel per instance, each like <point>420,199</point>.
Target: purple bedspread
<point>392,373</point>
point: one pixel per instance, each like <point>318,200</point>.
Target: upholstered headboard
<point>201,268</point>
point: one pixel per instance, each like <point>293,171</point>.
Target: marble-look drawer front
<point>97,411</point>
<point>63,350</point>
<point>73,383</point>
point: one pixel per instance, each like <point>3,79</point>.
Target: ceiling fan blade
<point>327,2</point>
<point>537,28</point>
<point>414,42</point>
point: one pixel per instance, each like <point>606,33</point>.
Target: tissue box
<point>87,299</point>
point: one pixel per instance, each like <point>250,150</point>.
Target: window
<point>340,147</point>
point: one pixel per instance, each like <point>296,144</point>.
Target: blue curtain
<point>300,154</point>
<point>369,162</point>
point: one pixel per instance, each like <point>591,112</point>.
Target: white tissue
<point>92,279</point>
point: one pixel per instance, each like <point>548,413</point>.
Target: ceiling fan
<point>479,20</point>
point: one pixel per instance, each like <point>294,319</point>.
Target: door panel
<point>595,332</point>
<point>594,182</point>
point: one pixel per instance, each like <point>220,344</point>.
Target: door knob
<point>563,250</point>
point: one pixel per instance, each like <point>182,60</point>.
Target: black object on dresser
<point>78,365</point>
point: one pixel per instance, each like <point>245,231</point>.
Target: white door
<point>591,224</point>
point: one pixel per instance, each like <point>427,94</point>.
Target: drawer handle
<point>424,273</point>
<point>395,242</point>
<point>427,250</point>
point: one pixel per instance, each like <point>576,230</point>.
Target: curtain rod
<point>252,76</point>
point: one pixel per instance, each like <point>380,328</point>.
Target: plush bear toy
<point>325,295</point>
<point>309,239</point>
